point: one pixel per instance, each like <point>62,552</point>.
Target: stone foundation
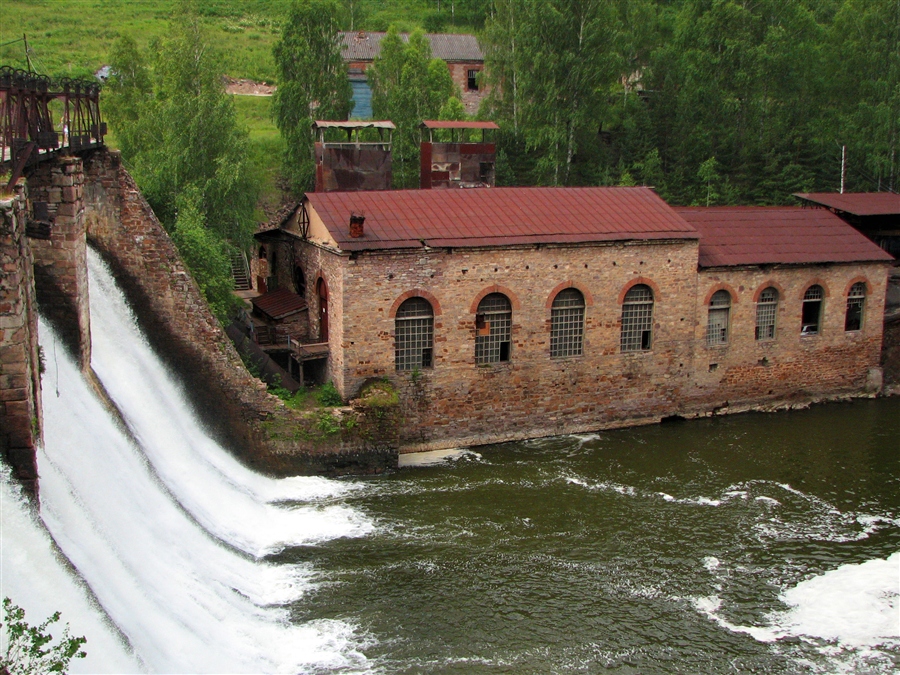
<point>21,420</point>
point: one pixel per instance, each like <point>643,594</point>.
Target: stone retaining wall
<point>20,382</point>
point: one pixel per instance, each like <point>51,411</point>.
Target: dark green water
<point>588,554</point>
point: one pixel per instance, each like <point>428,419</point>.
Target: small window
<point>812,310</point>
<point>414,335</point>
<point>856,302</point>
<point>717,321</point>
<point>493,324</point>
<point>567,324</point>
<point>472,80</point>
<point>262,252</point>
<point>299,281</point>
<point>637,319</point>
<point>766,311</point>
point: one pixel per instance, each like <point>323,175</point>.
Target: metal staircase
<point>240,271</point>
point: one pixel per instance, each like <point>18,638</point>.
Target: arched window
<point>766,310</point>
<point>856,302</point>
<point>567,323</point>
<point>637,319</point>
<point>811,317</point>
<point>414,331</point>
<point>717,319</point>
<point>493,324</point>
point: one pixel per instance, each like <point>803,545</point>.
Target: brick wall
<point>791,366</point>
<point>60,262</point>
<point>459,402</point>
<point>20,384</point>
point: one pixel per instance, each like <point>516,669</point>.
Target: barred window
<point>812,310</point>
<point>492,329</point>
<point>637,319</point>
<point>717,321</point>
<point>414,331</point>
<point>856,302</point>
<point>766,310</point>
<point>567,323</point>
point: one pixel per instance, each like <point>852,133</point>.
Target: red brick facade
<point>456,401</point>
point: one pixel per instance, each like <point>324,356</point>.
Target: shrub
<point>25,645</point>
<point>328,396</point>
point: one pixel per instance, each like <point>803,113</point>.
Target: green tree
<point>30,649</point>
<point>312,84</point>
<point>408,86</point>
<point>182,143</point>
<point>552,64</point>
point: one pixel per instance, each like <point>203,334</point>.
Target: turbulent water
<point>747,543</point>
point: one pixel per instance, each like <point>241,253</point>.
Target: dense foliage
<point>30,650</point>
<point>178,134</point>
<point>408,86</point>
<point>710,101</point>
<point>312,84</point>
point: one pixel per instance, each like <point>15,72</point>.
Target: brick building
<point>510,313</point>
<point>461,52</point>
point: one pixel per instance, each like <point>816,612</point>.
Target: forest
<point>708,101</point>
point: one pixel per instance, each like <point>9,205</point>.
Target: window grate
<point>811,312</point>
<point>766,311</point>
<point>414,335</point>
<point>493,325</point>
<point>637,319</point>
<point>717,321</point>
<point>856,301</point>
<point>567,324</point>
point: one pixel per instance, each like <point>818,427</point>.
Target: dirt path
<point>248,88</point>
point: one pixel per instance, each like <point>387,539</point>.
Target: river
<point>747,543</point>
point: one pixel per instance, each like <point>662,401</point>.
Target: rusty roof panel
<point>353,124</point>
<point>757,235</point>
<point>279,303</point>
<point>498,217</point>
<point>443,124</point>
<point>366,46</point>
<point>856,203</point>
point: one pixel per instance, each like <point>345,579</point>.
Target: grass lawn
<point>266,147</point>
<point>73,38</point>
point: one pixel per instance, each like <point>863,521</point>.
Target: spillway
<point>165,528</point>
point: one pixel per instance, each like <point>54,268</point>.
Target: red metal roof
<point>366,46</point>
<point>498,217</point>
<point>757,235</point>
<point>441,124</point>
<point>353,124</point>
<point>279,303</point>
<point>856,203</point>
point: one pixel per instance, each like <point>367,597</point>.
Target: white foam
<point>34,578</point>
<point>231,501</point>
<point>853,605</point>
<point>436,457</point>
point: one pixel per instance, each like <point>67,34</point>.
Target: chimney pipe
<point>356,225</point>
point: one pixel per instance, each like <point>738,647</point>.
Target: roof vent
<point>356,225</point>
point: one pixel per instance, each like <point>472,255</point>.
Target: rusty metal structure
<point>27,133</point>
<point>457,162</point>
<point>352,165</point>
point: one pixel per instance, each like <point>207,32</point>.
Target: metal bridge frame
<point>27,135</point>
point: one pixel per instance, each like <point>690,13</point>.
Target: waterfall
<point>167,530</point>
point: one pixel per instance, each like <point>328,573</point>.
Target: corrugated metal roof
<point>757,235</point>
<point>498,217</point>
<point>279,303</point>
<point>856,203</point>
<point>365,46</point>
<point>441,124</point>
<point>353,124</point>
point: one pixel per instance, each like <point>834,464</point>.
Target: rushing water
<point>761,543</point>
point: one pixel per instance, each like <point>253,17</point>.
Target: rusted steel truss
<point>27,134</point>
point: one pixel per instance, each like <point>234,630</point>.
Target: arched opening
<point>322,294</point>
